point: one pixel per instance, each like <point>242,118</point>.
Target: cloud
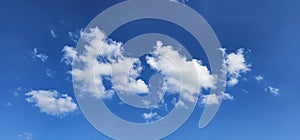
<point>102,63</point>
<point>175,67</point>
<point>53,33</point>
<point>74,36</point>
<point>259,78</point>
<point>51,102</point>
<point>151,116</point>
<point>25,135</point>
<point>273,90</point>
<point>36,55</point>
<point>50,72</point>
<point>123,72</point>
<point>212,99</point>
<point>236,65</point>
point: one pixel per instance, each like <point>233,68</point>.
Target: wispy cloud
<point>50,72</point>
<point>51,102</point>
<point>53,34</point>
<point>212,99</point>
<point>259,78</point>
<point>151,116</point>
<point>36,55</point>
<point>273,90</point>
<point>25,135</point>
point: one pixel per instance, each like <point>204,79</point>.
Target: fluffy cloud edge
<point>51,102</point>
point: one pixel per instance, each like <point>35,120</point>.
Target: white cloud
<point>273,90</point>
<point>259,78</point>
<point>36,55</point>
<point>212,99</point>
<point>236,65</point>
<point>74,36</point>
<point>53,33</point>
<point>151,116</point>
<point>123,72</point>
<point>175,67</point>
<point>51,102</point>
<point>50,72</point>
<point>102,62</point>
<point>25,135</point>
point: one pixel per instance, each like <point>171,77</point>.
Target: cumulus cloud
<point>51,102</point>
<point>102,59</point>
<point>181,75</point>
<point>236,65</point>
<point>273,90</point>
<point>259,78</point>
<point>36,55</point>
<point>98,64</point>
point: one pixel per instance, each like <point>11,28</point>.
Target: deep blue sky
<point>270,29</point>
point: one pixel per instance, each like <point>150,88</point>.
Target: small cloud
<point>259,78</point>
<point>236,65</point>
<point>151,116</point>
<point>53,33</point>
<point>245,91</point>
<point>36,55</point>
<point>75,35</point>
<point>8,104</point>
<point>213,99</point>
<point>273,90</point>
<point>51,102</point>
<point>50,72</point>
<point>25,135</point>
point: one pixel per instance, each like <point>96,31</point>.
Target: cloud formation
<point>272,90</point>
<point>102,59</point>
<point>51,102</point>
<point>36,55</point>
<point>183,76</point>
<point>236,65</point>
<point>259,78</point>
<point>53,33</point>
<point>102,63</point>
<point>215,99</point>
<point>151,116</point>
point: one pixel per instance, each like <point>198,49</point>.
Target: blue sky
<point>269,29</point>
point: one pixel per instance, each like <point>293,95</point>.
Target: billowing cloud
<point>51,102</point>
<point>102,60</point>
<point>36,55</point>
<point>183,76</point>
<point>273,90</point>
<point>102,63</point>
